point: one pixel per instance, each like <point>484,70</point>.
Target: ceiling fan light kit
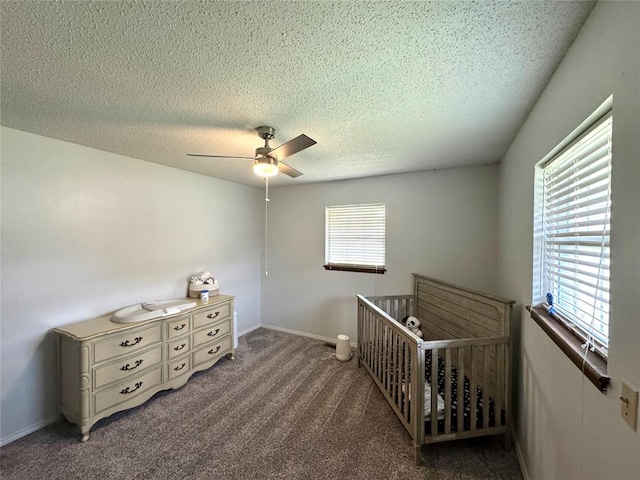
<point>267,160</point>
<point>265,167</point>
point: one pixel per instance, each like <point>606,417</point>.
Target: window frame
<point>362,266</point>
<point>566,333</point>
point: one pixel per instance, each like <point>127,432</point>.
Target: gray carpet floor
<point>284,409</point>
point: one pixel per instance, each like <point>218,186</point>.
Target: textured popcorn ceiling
<point>384,87</point>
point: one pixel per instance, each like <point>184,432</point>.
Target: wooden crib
<point>467,333</point>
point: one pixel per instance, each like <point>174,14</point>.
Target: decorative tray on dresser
<point>106,367</point>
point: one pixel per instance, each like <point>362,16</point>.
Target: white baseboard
<point>516,444</point>
<point>26,431</point>
<point>304,334</point>
<point>250,329</point>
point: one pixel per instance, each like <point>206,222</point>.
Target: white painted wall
<point>567,429</point>
<point>85,232</point>
<point>440,223</point>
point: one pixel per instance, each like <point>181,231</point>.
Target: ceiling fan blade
<point>292,146</point>
<point>217,156</point>
<point>287,170</point>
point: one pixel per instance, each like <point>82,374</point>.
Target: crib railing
<point>394,359</point>
<point>396,306</point>
<point>480,363</point>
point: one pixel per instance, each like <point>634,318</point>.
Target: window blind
<point>355,235</point>
<point>576,225</point>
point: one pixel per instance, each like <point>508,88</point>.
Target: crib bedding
<point>427,401</point>
<point>454,399</point>
<point>466,407</point>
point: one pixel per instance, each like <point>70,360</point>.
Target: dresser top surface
<point>103,325</point>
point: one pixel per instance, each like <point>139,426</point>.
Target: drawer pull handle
<point>180,327</point>
<point>213,315</point>
<point>126,391</point>
<point>135,342</point>
<point>126,367</point>
<point>213,352</point>
<point>177,369</point>
<point>213,334</point>
<point>177,349</point>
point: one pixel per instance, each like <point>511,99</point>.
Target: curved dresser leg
<point>84,436</point>
<point>230,356</point>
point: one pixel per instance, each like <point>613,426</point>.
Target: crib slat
<point>460,393</point>
<point>390,354</point>
<point>372,319</point>
<point>486,390</point>
<point>377,346</point>
<point>447,390</point>
<point>407,384</point>
<point>473,387</point>
<point>387,360</point>
<point>394,376</point>
<point>398,370</point>
<point>367,316</point>
<point>381,350</point>
<point>365,320</point>
<point>359,339</point>
<point>434,391</point>
<point>500,381</point>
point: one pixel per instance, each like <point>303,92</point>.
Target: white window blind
<point>355,235</point>
<point>575,225</point>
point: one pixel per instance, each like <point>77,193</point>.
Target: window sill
<point>356,268</point>
<point>595,367</point>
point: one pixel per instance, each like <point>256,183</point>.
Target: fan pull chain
<point>266,228</point>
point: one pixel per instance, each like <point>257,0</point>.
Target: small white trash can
<point>343,348</point>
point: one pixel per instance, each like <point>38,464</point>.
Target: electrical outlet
<point>629,405</point>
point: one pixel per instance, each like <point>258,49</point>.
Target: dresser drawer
<point>178,347</point>
<point>212,351</point>
<point>217,312</point>
<point>211,333</point>
<point>178,326</point>
<point>179,367</point>
<point>126,367</point>
<point>127,343</point>
<point>122,392</point>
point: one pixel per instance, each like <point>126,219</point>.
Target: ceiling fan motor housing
<point>263,152</point>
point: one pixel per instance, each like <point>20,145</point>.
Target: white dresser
<point>106,367</point>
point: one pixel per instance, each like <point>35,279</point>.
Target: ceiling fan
<point>268,161</point>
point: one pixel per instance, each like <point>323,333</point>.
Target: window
<point>355,238</point>
<point>572,238</point>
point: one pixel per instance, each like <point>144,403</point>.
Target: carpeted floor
<point>284,409</point>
